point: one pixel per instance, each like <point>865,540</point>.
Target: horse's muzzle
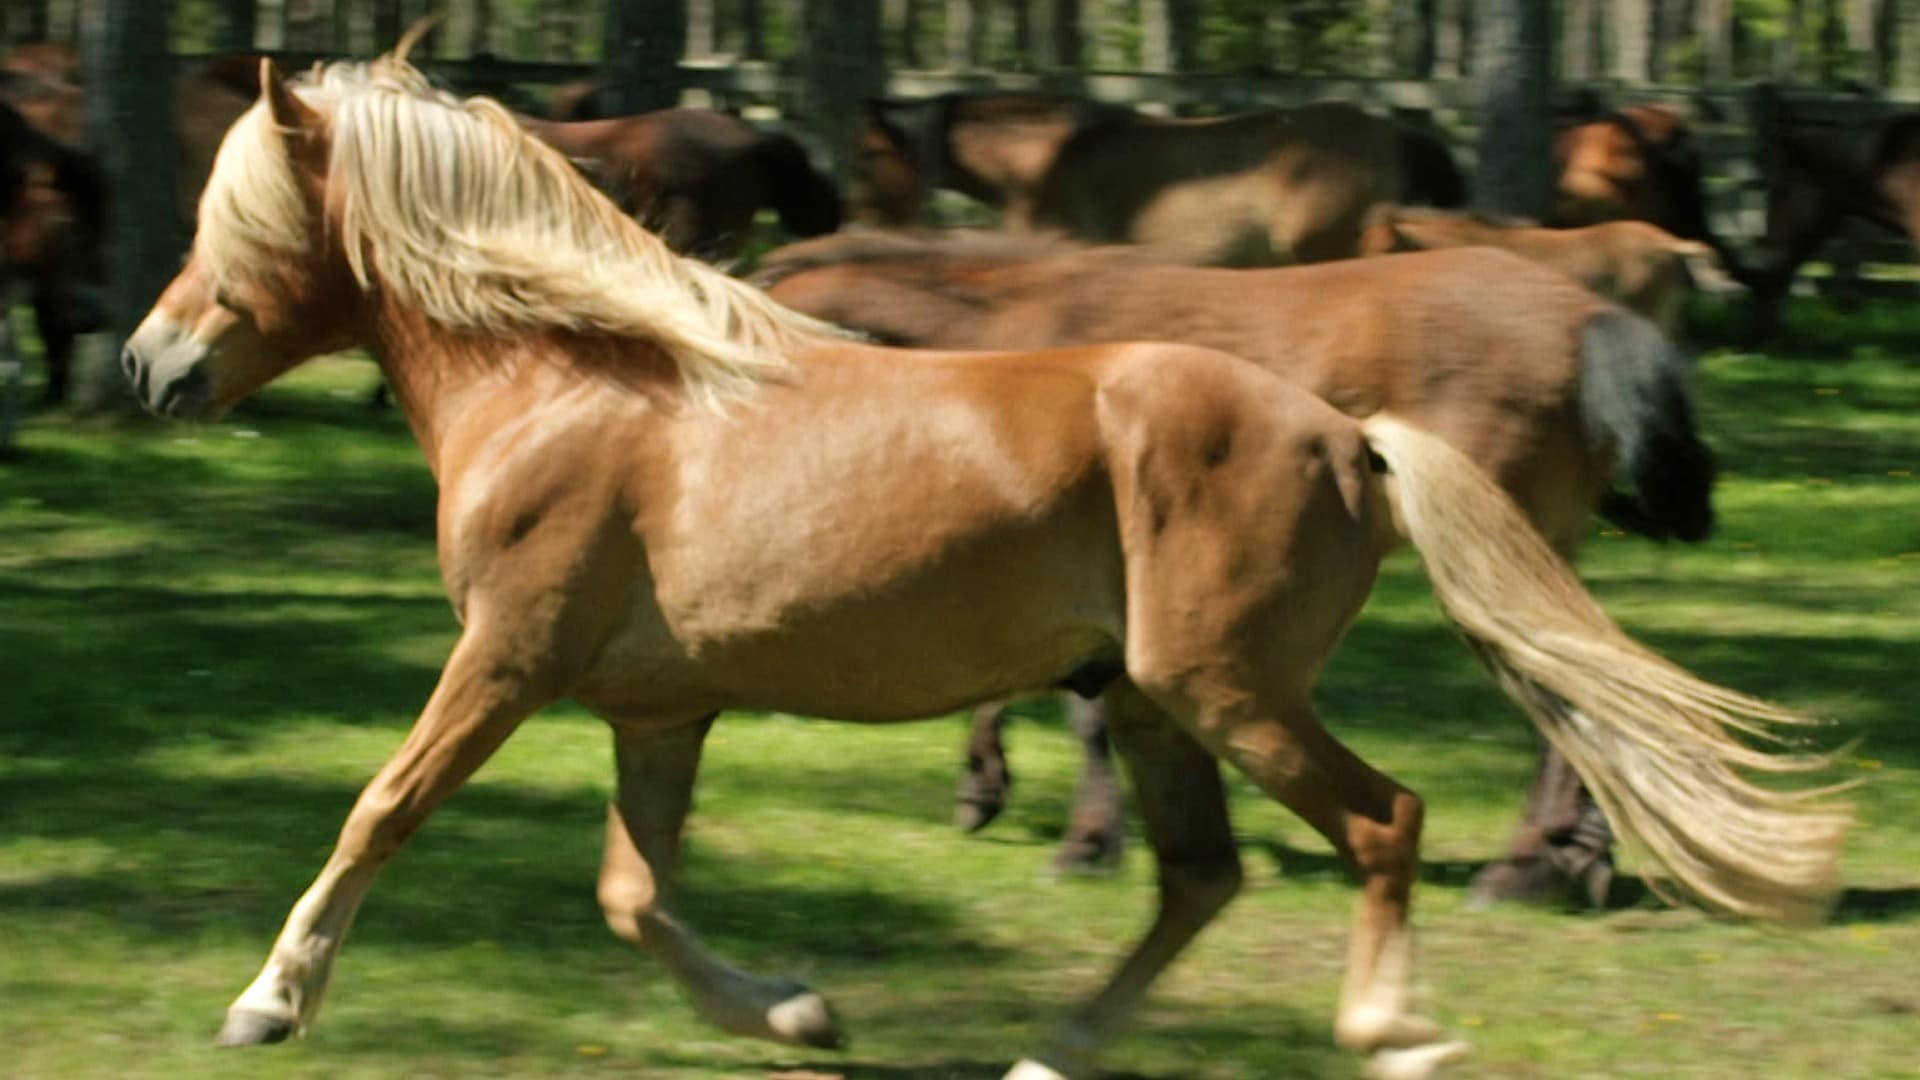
<point>167,369</point>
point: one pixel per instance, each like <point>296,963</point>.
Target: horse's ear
<point>288,111</point>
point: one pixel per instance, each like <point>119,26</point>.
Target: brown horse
<point>1547,391</point>
<point>1635,263</point>
<point>1277,185</point>
<point>696,176</point>
<point>1820,176</point>
<point>663,495</point>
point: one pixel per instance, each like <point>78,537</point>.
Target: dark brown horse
<point>1821,175</point>
<point>54,201</point>
<point>1550,391</point>
<point>878,535</point>
<point>1277,185</point>
<point>696,176</point>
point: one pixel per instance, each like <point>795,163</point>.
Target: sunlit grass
<point>210,637</point>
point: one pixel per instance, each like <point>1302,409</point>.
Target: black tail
<point>1634,400</point>
<point>807,202</point>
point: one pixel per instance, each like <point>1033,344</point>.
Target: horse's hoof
<point>1029,1069</point>
<point>244,1027</point>
<point>1517,881</point>
<point>1088,856</point>
<point>1414,1062</point>
<point>807,1020</point>
<point>973,815</point>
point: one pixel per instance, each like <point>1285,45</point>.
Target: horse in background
<point>876,535</point>
<point>1550,392</point>
<point>1636,264</point>
<point>697,177</point>
<point>54,200</point>
<point>1635,163</point>
<point>1275,185</point>
<point>1820,176</point>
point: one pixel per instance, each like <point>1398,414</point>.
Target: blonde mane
<point>447,206</point>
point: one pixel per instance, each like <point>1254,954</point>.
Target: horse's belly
<point>841,633</point>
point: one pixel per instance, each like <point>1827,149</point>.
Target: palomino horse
<point>877,535</point>
<point>1277,185</point>
<point>1635,263</point>
<point>1547,391</point>
<point>1823,175</point>
<point>696,176</point>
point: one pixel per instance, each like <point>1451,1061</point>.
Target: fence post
<point>641,67</point>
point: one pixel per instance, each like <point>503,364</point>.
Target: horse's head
<point>890,178</point>
<point>263,288</point>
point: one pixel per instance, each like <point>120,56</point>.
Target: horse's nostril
<point>126,362</point>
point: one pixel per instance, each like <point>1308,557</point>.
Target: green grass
<point>210,637</point>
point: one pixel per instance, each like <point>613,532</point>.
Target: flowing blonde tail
<point>1663,751</point>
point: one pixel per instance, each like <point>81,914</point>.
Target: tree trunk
<point>1449,39</point>
<point>842,63</point>
<point>912,22</point>
<point>641,69</point>
<point>1514,63</point>
<point>1906,44</point>
<point>1785,61</point>
<point>26,21</point>
<point>700,28</point>
<point>753,30</point>
<point>1716,40</point>
<point>1669,28</point>
<point>966,33</point>
<point>133,129</point>
<point>386,23</point>
<point>1578,20</point>
<point>1863,40</point>
<point>1632,38</point>
<point>1829,63</point>
<point>1169,33</point>
<point>1065,43</point>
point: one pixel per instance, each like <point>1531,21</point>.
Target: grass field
<point>210,637</point>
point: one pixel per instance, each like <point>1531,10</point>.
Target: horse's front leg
<point>483,694</point>
<point>657,765</point>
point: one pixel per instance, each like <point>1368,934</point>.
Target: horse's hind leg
<point>1374,823</point>
<point>478,703</point>
<point>657,766</point>
<point>982,792</point>
<point>1097,824</point>
<point>1177,787</point>
<point>1563,844</point>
